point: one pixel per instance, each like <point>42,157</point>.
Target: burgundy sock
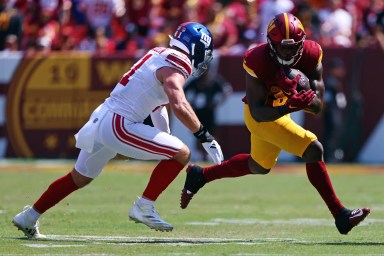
<point>163,175</point>
<point>236,166</point>
<point>56,192</point>
<point>318,176</point>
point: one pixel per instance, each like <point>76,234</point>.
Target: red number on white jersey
<point>124,80</point>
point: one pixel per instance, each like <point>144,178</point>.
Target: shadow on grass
<point>346,243</point>
<point>186,240</point>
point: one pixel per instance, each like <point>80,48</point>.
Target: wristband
<point>283,110</point>
<point>203,135</point>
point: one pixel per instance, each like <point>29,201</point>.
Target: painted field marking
<point>189,241</point>
<point>163,241</point>
<point>52,245</point>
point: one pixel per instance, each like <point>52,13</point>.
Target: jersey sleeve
<point>258,63</point>
<point>317,52</point>
<point>180,62</point>
<point>312,56</point>
<point>248,63</point>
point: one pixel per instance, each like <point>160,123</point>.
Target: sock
<point>56,192</point>
<point>143,200</point>
<point>318,176</point>
<point>236,166</point>
<point>163,175</point>
<point>33,214</point>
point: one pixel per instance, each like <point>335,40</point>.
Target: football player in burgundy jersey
<point>117,127</point>
<point>270,97</point>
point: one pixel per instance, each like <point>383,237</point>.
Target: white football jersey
<point>139,91</point>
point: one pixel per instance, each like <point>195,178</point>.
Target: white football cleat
<point>26,223</point>
<point>146,214</point>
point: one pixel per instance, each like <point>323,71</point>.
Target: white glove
<point>214,150</point>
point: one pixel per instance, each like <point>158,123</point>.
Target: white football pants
<point>116,135</point>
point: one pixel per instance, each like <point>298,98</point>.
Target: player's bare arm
<point>256,95</point>
<point>317,85</point>
<point>173,82</point>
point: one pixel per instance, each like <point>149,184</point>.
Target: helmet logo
<point>205,39</point>
<point>271,26</point>
<point>300,25</point>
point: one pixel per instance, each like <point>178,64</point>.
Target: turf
<point>275,214</point>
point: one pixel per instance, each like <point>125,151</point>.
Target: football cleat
<point>26,223</point>
<point>146,214</point>
<point>194,181</point>
<point>347,219</point>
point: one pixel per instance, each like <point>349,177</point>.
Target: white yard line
<point>164,241</point>
<point>39,245</point>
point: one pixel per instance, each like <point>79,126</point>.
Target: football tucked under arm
<point>303,83</point>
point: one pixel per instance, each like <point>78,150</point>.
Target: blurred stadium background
<point>60,59</point>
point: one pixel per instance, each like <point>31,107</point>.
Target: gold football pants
<point>269,138</point>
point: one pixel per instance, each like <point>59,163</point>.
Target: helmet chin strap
<point>285,62</point>
<point>273,53</point>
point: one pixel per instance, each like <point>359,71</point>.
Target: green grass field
<point>276,214</point>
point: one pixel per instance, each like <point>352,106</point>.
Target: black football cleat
<point>347,219</point>
<point>194,181</point>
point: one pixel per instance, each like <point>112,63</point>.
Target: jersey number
<point>280,99</point>
<point>125,79</point>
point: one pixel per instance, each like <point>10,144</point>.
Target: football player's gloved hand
<point>298,101</point>
<point>210,144</point>
<point>214,150</point>
<point>286,84</point>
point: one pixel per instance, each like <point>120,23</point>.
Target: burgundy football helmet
<point>286,37</point>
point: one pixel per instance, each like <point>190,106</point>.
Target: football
<point>303,83</point>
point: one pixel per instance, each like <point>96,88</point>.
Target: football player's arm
<point>173,82</point>
<point>256,95</point>
<point>317,85</point>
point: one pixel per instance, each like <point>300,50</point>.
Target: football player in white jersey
<point>116,127</point>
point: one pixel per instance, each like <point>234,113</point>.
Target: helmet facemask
<point>287,52</point>
<point>202,58</point>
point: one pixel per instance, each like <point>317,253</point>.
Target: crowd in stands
<point>132,27</point>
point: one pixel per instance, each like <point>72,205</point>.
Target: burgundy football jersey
<point>259,63</point>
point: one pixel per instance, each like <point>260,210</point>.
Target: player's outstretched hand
<point>298,101</point>
<point>288,85</point>
<point>214,151</point>
<point>210,144</point>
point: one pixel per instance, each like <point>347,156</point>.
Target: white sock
<point>145,201</point>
